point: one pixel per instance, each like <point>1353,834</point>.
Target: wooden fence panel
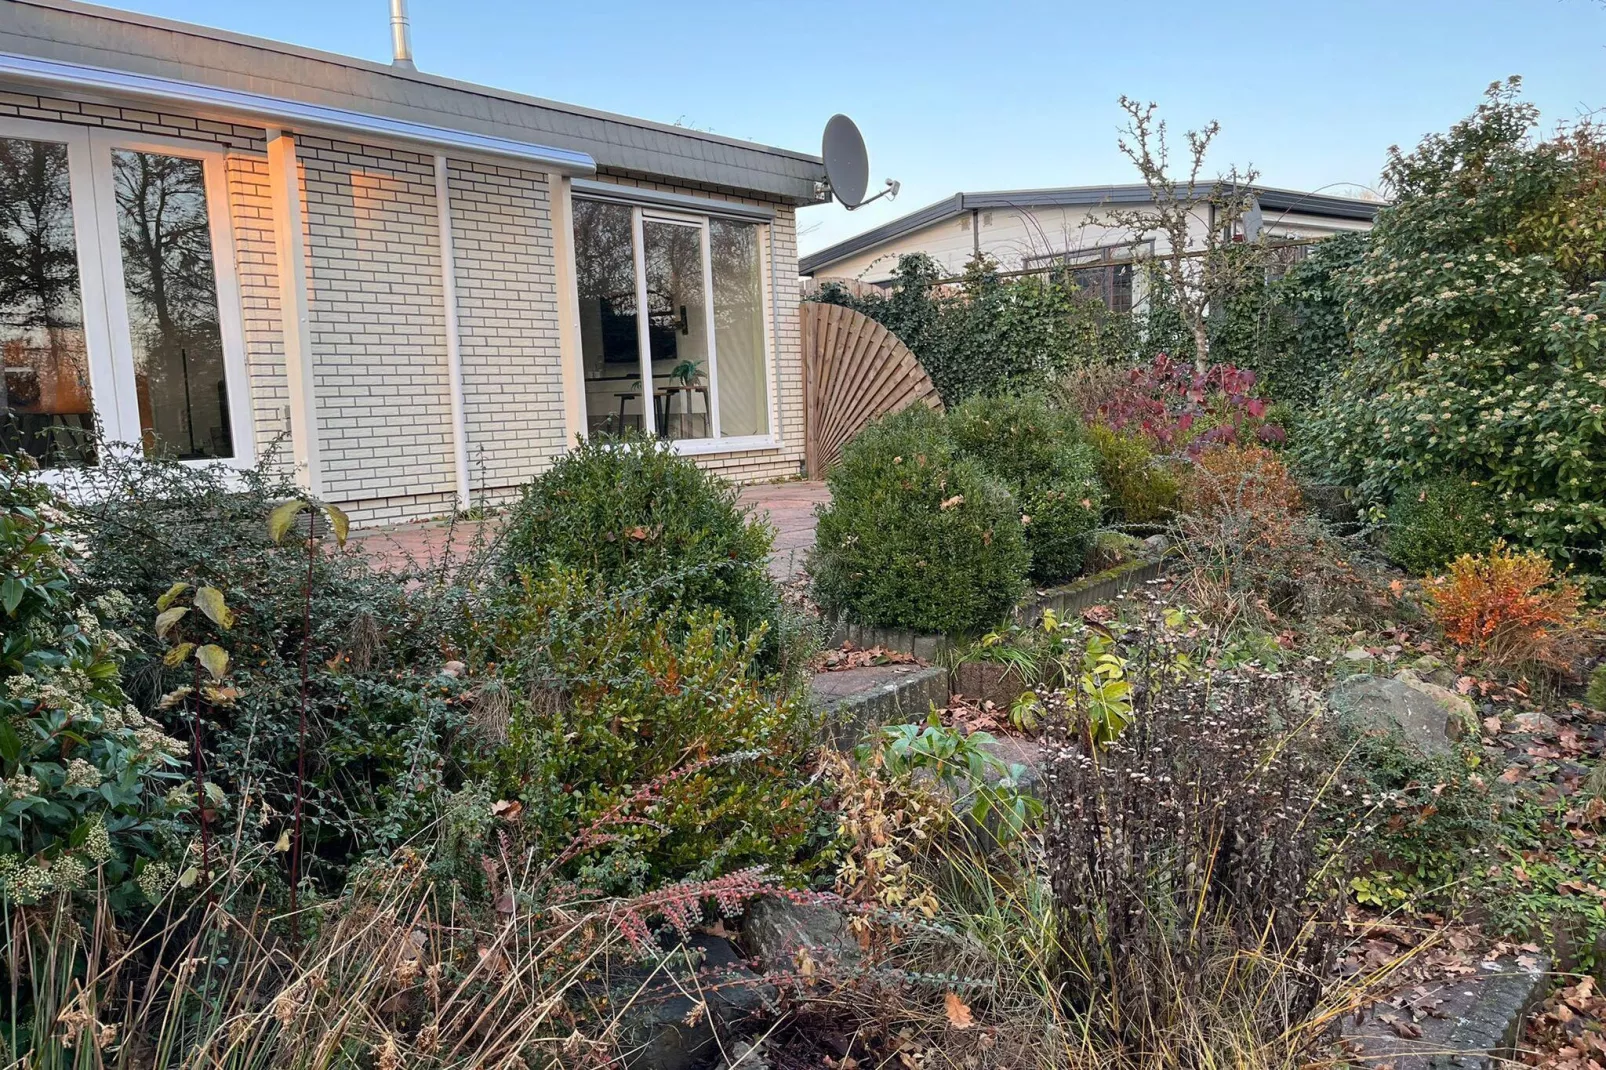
<point>854,370</point>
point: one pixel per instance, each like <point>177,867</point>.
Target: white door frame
<point>102,293</point>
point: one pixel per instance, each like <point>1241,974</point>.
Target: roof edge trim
<point>276,111</point>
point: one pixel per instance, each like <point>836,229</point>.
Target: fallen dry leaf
<point>957,1012</point>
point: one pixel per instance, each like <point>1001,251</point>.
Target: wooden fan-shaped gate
<point>854,370</point>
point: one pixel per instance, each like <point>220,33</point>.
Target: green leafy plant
<point>1039,454</point>
<point>1433,524</point>
<point>188,619</point>
<point>1595,694</point>
<point>1479,321</point>
<point>917,535</point>
<point>635,514</point>
<point>1419,823</point>
<point>384,717</point>
<point>83,775</point>
<point>988,789</point>
<point>594,692</point>
<point>1144,490</point>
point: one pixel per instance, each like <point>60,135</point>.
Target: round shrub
<point>1039,454</point>
<point>635,514</point>
<point>917,534</point>
<point>1143,490</point>
<point>1433,524</point>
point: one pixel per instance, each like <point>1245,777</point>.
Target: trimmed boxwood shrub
<point>633,513</point>
<point>1039,454</point>
<point>917,535</point>
<point>1432,524</point>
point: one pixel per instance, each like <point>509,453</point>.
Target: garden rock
<point>776,930</point>
<point>1429,716</point>
<point>1434,671</point>
<point>1535,723</point>
<point>672,1025</point>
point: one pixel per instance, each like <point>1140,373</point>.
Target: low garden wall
<point>1066,599</point>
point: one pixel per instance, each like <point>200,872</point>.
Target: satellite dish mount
<point>847,165</point>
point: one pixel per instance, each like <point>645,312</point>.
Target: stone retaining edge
<point>1068,599</point>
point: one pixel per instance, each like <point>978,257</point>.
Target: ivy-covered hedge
<point>992,335</point>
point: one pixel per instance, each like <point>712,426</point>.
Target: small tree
<point>1193,270</point>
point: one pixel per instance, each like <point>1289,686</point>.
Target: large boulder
<point>1430,717</point>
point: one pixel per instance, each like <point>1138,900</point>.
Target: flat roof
<point>70,32</point>
<point>1322,205</point>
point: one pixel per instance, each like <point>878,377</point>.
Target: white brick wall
<point>507,312</point>
<point>378,318</point>
<point>378,323</point>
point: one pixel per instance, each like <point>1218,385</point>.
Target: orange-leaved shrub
<point>1245,543</point>
<point>1245,488</point>
<point>1511,609</point>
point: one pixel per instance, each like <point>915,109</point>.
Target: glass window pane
<point>45,410</point>
<point>171,285</point>
<point>739,329</point>
<point>610,347</point>
<point>677,327</point>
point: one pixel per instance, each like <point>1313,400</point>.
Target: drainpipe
<point>401,36</point>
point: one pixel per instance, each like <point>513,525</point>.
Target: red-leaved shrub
<point>1177,406</point>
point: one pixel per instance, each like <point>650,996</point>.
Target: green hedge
<point>635,514</point>
<point>1038,452</point>
<point>1432,524</point>
<point>918,535</point>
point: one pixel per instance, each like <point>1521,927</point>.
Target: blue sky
<point>969,95</point>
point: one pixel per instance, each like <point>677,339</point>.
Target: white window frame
<point>652,213</point>
<point>103,296</point>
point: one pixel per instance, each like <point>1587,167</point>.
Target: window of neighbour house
<point>672,327</point>
<point>118,313</point>
<point>1103,273</point>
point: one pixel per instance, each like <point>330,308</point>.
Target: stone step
<point>853,702</point>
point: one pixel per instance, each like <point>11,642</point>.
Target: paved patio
<point>789,507</point>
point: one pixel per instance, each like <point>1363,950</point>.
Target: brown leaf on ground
<point>848,656</point>
<point>957,1012</point>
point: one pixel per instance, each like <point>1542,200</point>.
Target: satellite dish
<point>847,164</point>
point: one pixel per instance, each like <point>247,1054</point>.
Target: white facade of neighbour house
<point>1075,226</point>
<point>424,289</point>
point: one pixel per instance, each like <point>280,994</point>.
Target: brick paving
<point>789,507</point>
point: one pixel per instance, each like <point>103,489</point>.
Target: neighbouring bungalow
<point>1073,227</point>
<point>423,289</point>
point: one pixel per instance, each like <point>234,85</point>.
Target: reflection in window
<point>738,328</point>
<point>677,327</point>
<point>605,276</point>
<point>171,285</point>
<point>46,409</point>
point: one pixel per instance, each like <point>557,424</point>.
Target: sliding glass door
<point>672,332</point>
<point>118,313</point>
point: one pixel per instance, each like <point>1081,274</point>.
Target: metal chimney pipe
<point>401,36</point>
